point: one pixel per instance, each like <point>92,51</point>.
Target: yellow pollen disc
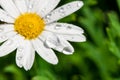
<point>29,25</point>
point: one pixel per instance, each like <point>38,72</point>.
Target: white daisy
<point>31,25</point>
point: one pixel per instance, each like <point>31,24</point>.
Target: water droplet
<point>58,26</point>
<point>61,10</point>
<point>79,4</point>
<point>1,30</point>
<point>47,20</point>
<point>19,58</point>
<point>44,9</point>
<point>30,6</point>
<point>2,19</point>
<point>69,27</point>
<point>48,16</point>
<point>72,38</point>
<point>52,42</point>
<point>20,65</point>
<point>62,14</point>
<point>55,58</point>
<point>67,50</point>
<point>20,49</point>
<point>9,42</point>
<point>3,37</point>
<point>69,6</point>
<point>7,15</point>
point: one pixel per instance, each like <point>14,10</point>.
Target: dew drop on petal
<point>47,20</point>
<point>1,30</point>
<point>19,58</point>
<point>57,27</point>
<point>67,50</point>
<point>62,14</point>
<point>79,4</point>
<point>3,37</point>
<point>9,42</point>
<point>30,6</point>
<point>72,37</point>
<point>20,64</point>
<point>20,49</point>
<point>48,16</point>
<point>52,42</point>
<point>69,27</point>
<point>69,6</point>
<point>2,19</point>
<point>61,10</point>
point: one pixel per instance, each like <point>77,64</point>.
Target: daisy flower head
<point>31,25</point>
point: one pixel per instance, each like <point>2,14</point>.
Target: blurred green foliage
<point>96,59</point>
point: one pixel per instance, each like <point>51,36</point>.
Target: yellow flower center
<point>29,25</point>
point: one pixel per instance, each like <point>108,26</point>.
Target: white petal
<point>5,36</point>
<point>63,11</point>
<point>74,37</point>
<point>21,5</point>
<point>56,42</point>
<point>49,6</point>
<point>5,17</point>
<point>35,3</point>
<point>46,53</point>
<point>19,53</point>
<point>68,31</point>
<point>64,28</point>
<point>30,4</point>
<point>27,3</point>
<point>10,7</point>
<point>6,28</point>
<point>8,46</point>
<point>25,54</point>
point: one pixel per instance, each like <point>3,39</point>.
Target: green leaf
<point>40,78</point>
<point>118,1</point>
<point>17,73</point>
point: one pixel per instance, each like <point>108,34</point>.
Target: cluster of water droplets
<point>20,56</point>
<point>52,41</point>
<point>59,27</point>
<point>56,43</point>
<point>61,12</point>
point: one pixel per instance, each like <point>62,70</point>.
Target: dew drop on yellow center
<point>29,25</point>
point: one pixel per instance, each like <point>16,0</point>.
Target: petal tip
<point>26,69</point>
<point>55,62</point>
<point>84,39</point>
<point>68,51</point>
<point>80,4</point>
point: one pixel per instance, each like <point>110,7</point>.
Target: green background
<point>96,59</point>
